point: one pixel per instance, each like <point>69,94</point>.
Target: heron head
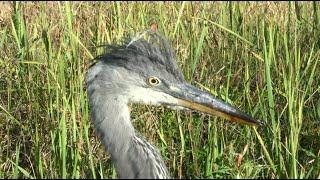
<point>144,70</point>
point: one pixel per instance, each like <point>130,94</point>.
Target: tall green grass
<point>262,57</point>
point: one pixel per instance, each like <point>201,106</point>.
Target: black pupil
<point>153,81</point>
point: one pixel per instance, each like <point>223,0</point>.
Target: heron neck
<point>111,118</point>
<point>131,154</point>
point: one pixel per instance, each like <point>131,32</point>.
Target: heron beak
<point>191,97</point>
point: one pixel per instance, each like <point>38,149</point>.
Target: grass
<point>262,57</point>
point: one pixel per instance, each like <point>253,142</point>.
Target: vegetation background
<point>262,57</point>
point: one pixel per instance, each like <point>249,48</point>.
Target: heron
<point>143,70</point>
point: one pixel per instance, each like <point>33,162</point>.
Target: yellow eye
<point>153,81</point>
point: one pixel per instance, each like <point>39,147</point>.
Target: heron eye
<point>153,81</point>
